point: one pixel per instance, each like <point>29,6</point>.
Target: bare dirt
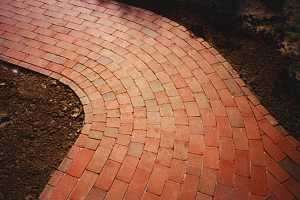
<point>40,119</point>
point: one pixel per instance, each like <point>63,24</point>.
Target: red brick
<point>233,87</point>
<point>107,175</point>
<point>242,163</point>
<point>240,139</point>
<point>226,173</point>
<point>151,144</point>
<point>177,170</point>
<point>135,149</point>
<point>84,185</point>
<point>54,58</point>
<point>15,54</point>
<point>117,190</point>
<point>182,133</point>
<point>96,194</point>
<point>80,161</point>
<point>218,108</point>
<point>226,149</point>
<point>171,191</point>
<point>196,144</point>
<point>192,109</point>
<point>46,193</point>
<point>224,192</point>
<point>180,150</point>
<point>157,179</point>
<point>211,59</point>
<point>118,153</point>
<point>189,187</point>
<point>277,189</point>
<point>194,164</point>
<point>179,81</point>
<point>217,82</point>
<point>128,168</point>
<point>210,91</point>
<point>244,107</point>
<point>85,141</point>
<point>227,98</point>
<point>257,154</point>
<point>293,187</point>
<point>186,94</point>
<point>202,100</point>
<point>147,161</point>
<point>208,118</point>
<point>208,181</point>
<point>201,196</point>
<point>150,196</point>
<point>223,126</point>
<point>64,187</point>
<point>258,180</point>
<point>272,149</point>
<point>211,158</point>
<point>167,139</point>
<point>51,49</point>
<point>252,128</point>
<point>276,170</point>
<point>271,131</point>
<point>55,177</point>
<point>164,156</point>
<point>137,185</point>
<point>211,137</point>
<point>108,142</point>
<point>235,117</point>
<point>195,125</point>
<point>36,61</point>
<point>97,162</point>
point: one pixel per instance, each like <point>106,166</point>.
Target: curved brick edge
<point>164,112</point>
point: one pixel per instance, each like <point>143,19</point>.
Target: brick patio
<point>166,117</point>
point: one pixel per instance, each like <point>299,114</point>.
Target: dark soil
<point>40,118</point>
<point>255,57</point>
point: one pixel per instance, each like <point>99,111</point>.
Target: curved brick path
<point>166,116</point>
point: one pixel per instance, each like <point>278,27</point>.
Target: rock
<point>75,112</point>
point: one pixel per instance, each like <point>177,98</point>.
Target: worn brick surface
<point>165,114</point>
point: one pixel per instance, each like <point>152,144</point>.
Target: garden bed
<point>40,118</point>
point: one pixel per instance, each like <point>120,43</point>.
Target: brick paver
<point>166,116</point>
